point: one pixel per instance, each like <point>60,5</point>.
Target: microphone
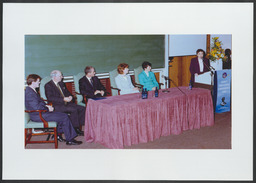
<point>206,66</point>
<point>165,77</point>
<point>212,68</point>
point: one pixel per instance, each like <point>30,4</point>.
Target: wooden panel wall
<point>208,44</point>
<point>179,70</point>
<point>157,76</point>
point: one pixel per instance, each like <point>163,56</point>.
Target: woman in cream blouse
<point>123,80</point>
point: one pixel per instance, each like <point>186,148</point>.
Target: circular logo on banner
<point>224,75</point>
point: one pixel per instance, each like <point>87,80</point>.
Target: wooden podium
<point>205,80</point>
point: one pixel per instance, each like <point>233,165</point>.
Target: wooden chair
<point>29,125</point>
<point>41,87</point>
<point>114,90</point>
<point>79,96</point>
<point>137,71</point>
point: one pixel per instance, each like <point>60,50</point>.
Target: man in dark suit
<point>57,93</point>
<point>198,65</point>
<point>34,102</point>
<point>90,85</point>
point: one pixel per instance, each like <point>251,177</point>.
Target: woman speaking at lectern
<point>198,65</point>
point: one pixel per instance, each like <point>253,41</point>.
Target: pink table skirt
<point>124,120</point>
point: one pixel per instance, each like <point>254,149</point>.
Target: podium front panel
<point>222,90</point>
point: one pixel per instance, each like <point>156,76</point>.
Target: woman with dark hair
<point>123,80</point>
<point>198,65</point>
<point>147,78</point>
<point>227,60</point>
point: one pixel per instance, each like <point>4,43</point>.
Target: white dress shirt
<point>201,65</point>
<point>89,80</point>
<point>33,89</point>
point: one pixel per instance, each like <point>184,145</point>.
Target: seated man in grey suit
<point>57,93</point>
<point>34,102</point>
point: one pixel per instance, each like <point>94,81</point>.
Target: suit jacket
<point>53,93</point>
<point>149,81</point>
<point>86,88</point>
<point>125,85</point>
<point>33,102</point>
<point>195,68</point>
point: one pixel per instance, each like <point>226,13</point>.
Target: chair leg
<point>29,135</point>
<point>55,138</point>
<point>48,137</point>
<point>26,132</point>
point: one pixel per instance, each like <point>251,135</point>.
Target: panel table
<point>120,121</point>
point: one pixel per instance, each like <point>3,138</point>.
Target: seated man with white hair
<point>57,93</point>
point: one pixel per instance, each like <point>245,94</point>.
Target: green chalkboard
<point>72,53</point>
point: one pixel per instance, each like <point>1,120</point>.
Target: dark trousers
<point>63,121</point>
<point>77,113</point>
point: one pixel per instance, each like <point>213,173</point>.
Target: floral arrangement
<point>216,50</point>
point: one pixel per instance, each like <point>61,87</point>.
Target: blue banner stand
<point>222,91</point>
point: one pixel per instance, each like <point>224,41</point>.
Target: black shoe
<point>60,139</point>
<point>79,132</point>
<point>74,142</point>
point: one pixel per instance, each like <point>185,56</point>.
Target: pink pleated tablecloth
<point>119,121</point>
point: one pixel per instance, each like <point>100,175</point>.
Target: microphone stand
<point>208,68</point>
<point>212,76</point>
<point>166,90</point>
<point>177,86</point>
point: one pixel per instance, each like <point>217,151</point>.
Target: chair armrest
<point>48,102</point>
<point>29,111</point>
<point>138,85</point>
<point>84,96</point>
<point>116,89</point>
<point>107,92</point>
<point>160,85</point>
<point>40,115</point>
<point>77,93</point>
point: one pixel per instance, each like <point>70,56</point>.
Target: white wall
<point>186,44</point>
<point>226,39</point>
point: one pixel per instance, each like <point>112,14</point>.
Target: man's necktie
<point>91,81</point>
<point>58,86</point>
<point>60,90</point>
